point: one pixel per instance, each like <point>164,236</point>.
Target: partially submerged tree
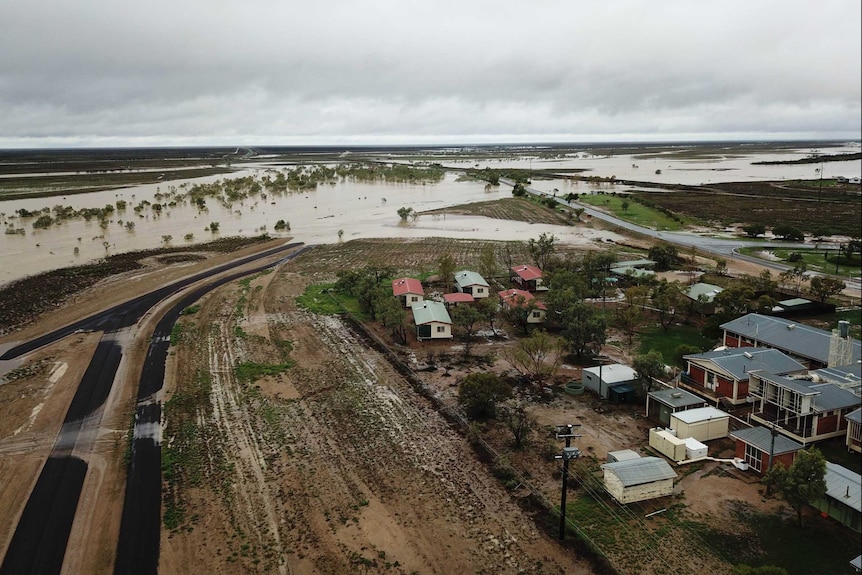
<point>404,213</point>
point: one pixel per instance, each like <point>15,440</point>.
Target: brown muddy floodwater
<point>361,210</point>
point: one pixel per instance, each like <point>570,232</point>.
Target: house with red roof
<point>528,277</point>
<point>408,290</point>
<point>516,298</point>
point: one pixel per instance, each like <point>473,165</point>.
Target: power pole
<point>569,453</point>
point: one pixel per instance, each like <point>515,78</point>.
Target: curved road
<point>39,542</point>
<point>720,246</point>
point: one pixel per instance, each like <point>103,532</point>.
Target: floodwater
<point>360,210</point>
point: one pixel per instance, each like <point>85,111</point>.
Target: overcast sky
<point>257,72</point>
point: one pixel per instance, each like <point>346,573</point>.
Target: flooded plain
<point>347,209</point>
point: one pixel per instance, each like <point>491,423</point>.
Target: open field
<point>519,209</point>
<point>838,209</point>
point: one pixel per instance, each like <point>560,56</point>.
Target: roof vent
<point>791,326</point>
<point>677,394</point>
<point>748,355</point>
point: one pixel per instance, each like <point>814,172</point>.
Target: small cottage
<point>528,277</point>
<point>432,320</point>
<point>472,283</point>
<point>408,290</point>
<point>516,298</point>
<point>638,479</point>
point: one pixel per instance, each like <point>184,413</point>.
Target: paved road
<point>39,542</point>
<point>720,246</point>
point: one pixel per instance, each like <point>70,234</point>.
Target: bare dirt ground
<point>334,465</point>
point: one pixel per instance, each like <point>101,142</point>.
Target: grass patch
<point>817,260</point>
<point>635,213</point>
<point>667,342</point>
<point>191,310</point>
<point>250,371</point>
<point>322,298</point>
<point>823,547</point>
<point>176,334</point>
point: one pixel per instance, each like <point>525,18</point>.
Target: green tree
<point>465,317</point>
<point>667,299</point>
<point>825,286</point>
<point>446,270</point>
<point>584,329</point>
<point>489,308</point>
<point>404,213</point>
<point>735,300</point>
<point>629,318</point>
<point>804,482</point>
<point>754,230</point>
<point>721,266</point>
<point>649,367</point>
<point>391,314</point>
<point>788,232</point>
<point>625,206</point>
<point>537,357</point>
<point>488,266</point>
<point>665,257</point>
<point>683,350</point>
<point>518,420</point>
<point>518,190</point>
<point>479,393</point>
<point>542,249</point>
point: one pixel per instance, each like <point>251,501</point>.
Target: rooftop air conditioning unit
<point>677,394</point>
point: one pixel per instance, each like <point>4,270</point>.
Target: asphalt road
<point>727,248</point>
<point>39,542</point>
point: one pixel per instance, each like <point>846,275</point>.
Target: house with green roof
<point>470,282</point>
<point>432,320</point>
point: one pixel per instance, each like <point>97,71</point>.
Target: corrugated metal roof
<point>634,263</point>
<point>738,361</point>
<point>676,397</point>
<point>458,297</point>
<point>624,454</point>
<point>833,397</point>
<point>702,289</point>
<point>761,438</point>
<point>699,414</point>
<point>630,271</point>
<point>639,471</point>
<point>844,485</point>
<point>527,272</point>
<point>855,416</point>
<point>797,338</point>
<point>430,311</point>
<point>614,373</point>
<point>403,286</point>
<point>467,278</point>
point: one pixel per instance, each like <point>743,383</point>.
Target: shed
<point>843,500</point>
<point>694,449</point>
<point>453,299</point>
<point>663,402</point>
<point>666,443</point>
<point>622,455</point>
<point>703,423</point>
<point>621,393</point>
<point>638,479</point>
<point>601,377</point>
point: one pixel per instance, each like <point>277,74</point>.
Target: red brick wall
<point>698,374</point>
<point>740,450</point>
<point>742,389</point>
<point>725,387</point>
<point>731,340</point>
<point>827,424</point>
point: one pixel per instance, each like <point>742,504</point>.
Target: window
<point>711,381</point>
<point>537,314</point>
<point>480,290</point>
<point>753,456</point>
<point>414,298</point>
<point>441,329</point>
<point>855,431</point>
